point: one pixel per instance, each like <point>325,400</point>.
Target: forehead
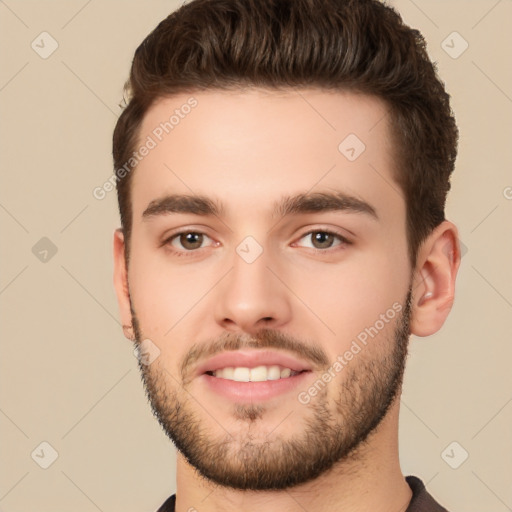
<point>253,146</point>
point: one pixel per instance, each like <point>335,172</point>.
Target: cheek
<point>348,298</point>
<point>161,304</point>
<point>167,296</point>
<point>154,295</point>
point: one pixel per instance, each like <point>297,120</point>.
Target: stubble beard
<point>334,428</point>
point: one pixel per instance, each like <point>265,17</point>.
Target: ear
<point>121,284</point>
<point>434,280</point>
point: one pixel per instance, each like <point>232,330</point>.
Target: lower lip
<point>255,391</point>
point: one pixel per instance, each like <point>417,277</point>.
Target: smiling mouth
<point>256,374</point>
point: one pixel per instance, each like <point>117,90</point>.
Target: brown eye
<point>188,241</point>
<point>322,239</point>
<point>191,241</point>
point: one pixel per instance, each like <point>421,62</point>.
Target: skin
<point>247,150</point>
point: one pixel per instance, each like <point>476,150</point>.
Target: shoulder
<point>421,500</point>
<point>169,505</point>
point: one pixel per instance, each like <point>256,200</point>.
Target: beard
<point>334,427</point>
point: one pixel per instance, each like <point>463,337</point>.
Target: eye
<point>322,239</point>
<point>189,241</point>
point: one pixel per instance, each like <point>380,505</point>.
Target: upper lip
<point>251,359</point>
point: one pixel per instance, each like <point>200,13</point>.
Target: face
<point>269,274</point>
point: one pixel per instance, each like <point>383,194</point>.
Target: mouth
<point>253,365</point>
<point>257,374</point>
<point>253,375</point>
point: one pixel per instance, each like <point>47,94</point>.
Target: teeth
<point>242,374</point>
<point>256,374</point>
<point>228,373</point>
<point>273,373</point>
<point>285,372</point>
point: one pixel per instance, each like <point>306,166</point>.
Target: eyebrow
<point>176,203</point>
<point>301,203</point>
<point>322,202</point>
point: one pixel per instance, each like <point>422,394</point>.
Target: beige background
<point>68,377</point>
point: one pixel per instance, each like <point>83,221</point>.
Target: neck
<point>370,479</point>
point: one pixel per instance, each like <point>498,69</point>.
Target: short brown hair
<point>351,45</point>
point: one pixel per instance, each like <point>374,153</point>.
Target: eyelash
<point>182,253</point>
<point>188,253</point>
<point>342,239</point>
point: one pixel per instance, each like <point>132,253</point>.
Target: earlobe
<point>128,332</point>
<point>434,284</point>
<point>121,284</point>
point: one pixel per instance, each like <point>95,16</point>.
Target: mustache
<point>264,338</point>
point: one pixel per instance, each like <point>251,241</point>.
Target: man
<point>282,168</point>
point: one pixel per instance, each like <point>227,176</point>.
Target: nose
<point>251,297</point>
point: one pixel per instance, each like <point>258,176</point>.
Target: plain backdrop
<point>68,376</point>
